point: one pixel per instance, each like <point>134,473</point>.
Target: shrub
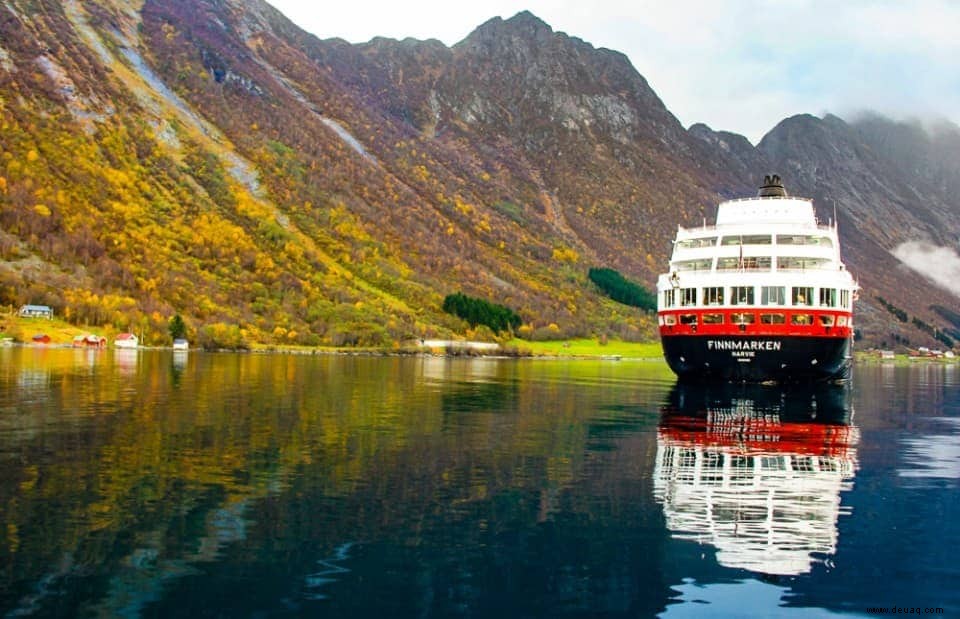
<point>222,336</point>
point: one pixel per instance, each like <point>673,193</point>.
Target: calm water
<point>153,484</point>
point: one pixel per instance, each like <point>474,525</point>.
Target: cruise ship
<point>760,296</point>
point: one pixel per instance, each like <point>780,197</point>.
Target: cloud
<point>744,69</point>
<point>941,265</point>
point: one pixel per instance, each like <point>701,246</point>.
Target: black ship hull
<point>757,359</point>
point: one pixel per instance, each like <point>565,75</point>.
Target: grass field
<point>60,332</point>
<point>591,348</point>
<point>867,357</point>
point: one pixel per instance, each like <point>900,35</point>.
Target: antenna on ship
<point>772,187</point>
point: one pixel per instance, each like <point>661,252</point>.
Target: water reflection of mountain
<point>757,472</point>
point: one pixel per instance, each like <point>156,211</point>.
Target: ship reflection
<point>757,472</point>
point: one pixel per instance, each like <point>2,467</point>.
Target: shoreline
<point>579,349</point>
<point>505,352</point>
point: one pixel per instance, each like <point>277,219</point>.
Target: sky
<point>736,65</point>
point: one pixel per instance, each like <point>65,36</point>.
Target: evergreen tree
<point>479,312</point>
<point>178,328</point>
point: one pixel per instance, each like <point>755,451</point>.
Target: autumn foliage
<point>238,183</point>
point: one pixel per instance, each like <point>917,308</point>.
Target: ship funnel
<point>772,187</point>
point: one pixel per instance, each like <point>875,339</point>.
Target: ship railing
<point>754,198</point>
<point>719,229</point>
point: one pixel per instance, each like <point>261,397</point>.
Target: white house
<point>126,340</point>
<point>36,311</point>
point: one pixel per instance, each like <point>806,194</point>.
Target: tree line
<point>622,290</point>
<point>479,312</point>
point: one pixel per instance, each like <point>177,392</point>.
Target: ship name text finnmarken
<point>743,345</point>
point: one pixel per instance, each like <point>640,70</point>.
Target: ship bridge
<point>774,210</point>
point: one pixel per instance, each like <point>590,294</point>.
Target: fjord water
<point>166,484</point>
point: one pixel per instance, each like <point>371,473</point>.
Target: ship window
<point>756,263</point>
<point>800,239</point>
<point>713,319</point>
<point>711,469</point>
<point>801,319</point>
<point>741,295</point>
<point>707,241</point>
<point>713,295</point>
<point>688,296</point>
<point>669,298</point>
<point>743,318</point>
<point>747,263</point>
<point>772,319</point>
<point>844,298</point>
<point>693,265</point>
<point>828,464</point>
<point>741,471</point>
<point>797,263</point>
<point>801,463</point>
<point>826,320</point>
<point>688,319</point>
<point>746,239</point>
<point>828,297</point>
<point>773,295</point>
<point>772,463</point>
<point>802,295</point>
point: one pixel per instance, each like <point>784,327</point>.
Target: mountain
<point>884,202</point>
<point>211,159</point>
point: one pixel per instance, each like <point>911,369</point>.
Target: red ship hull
<point>812,349</point>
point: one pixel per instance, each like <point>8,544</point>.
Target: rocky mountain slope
<point>211,159</point>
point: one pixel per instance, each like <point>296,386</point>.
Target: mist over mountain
<point>209,158</point>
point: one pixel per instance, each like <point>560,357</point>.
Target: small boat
<point>181,344</point>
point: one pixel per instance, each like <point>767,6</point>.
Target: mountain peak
<point>524,25</point>
<point>526,19</point>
